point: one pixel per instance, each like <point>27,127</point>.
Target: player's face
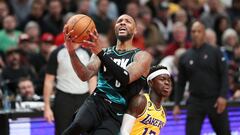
<point>125,28</point>
<point>162,85</point>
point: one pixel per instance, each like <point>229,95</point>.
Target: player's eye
<point>128,21</point>
<point>120,20</point>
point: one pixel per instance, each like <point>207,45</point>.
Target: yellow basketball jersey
<point>150,121</point>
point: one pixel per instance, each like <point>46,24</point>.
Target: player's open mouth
<point>122,29</point>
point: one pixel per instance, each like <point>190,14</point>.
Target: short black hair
<point>157,67</point>
<point>23,79</point>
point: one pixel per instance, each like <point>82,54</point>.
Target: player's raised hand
<point>93,43</point>
<point>71,46</point>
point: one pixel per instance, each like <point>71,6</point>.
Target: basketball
<point>82,26</point>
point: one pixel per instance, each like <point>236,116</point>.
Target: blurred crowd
<point>31,29</point>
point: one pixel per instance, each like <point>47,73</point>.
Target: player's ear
<point>150,83</point>
<point>135,31</point>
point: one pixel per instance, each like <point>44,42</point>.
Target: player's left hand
<point>220,104</point>
<point>93,44</point>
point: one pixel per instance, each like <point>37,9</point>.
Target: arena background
<point>163,30</point>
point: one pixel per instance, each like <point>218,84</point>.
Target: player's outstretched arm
<point>136,108</point>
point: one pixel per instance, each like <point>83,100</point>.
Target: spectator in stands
<point>209,17</point>
<point>211,37</point>
<point>83,7</point>
<point>181,16</point>
<point>14,69</point>
<point>236,26</point>
<point>53,21</point>
<point>8,35</point>
<point>151,32</point>
<point>102,22</point>
<point>205,68</point>
<point>39,60</point>
<point>229,41</point>
<point>132,9</point>
<point>220,25</point>
<point>33,30</point>
<point>4,11</point>
<point>179,39</point>
<point>70,90</point>
<point>36,15</point>
<point>234,11</point>
<point>163,20</point>
<point>138,39</point>
<point>69,6</point>
<point>21,8</point>
<point>112,11</point>
<point>2,64</point>
<point>27,45</point>
<point>26,90</point>
<point>153,6</point>
<point>193,8</point>
<point>121,5</point>
<point>59,39</point>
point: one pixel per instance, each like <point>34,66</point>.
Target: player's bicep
<point>140,66</point>
<point>94,64</point>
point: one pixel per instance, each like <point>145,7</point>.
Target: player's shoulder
<point>138,99</point>
<point>143,55</point>
<point>143,52</point>
<point>137,104</point>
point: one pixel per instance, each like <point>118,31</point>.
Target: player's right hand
<point>176,112</point>
<point>70,45</point>
<point>48,115</point>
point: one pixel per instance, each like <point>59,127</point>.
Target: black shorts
<point>97,116</point>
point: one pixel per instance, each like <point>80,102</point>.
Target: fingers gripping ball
<point>81,25</point>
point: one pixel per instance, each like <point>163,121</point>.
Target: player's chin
<point>123,34</point>
<point>165,93</point>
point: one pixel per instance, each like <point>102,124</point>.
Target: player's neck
<point>124,46</point>
<point>155,99</point>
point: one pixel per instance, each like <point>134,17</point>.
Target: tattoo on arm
<point>82,71</point>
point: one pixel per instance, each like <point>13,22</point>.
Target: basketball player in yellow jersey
<point>145,115</point>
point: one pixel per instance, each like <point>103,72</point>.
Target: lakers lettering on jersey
<point>150,121</point>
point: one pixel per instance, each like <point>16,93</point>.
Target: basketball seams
<point>82,26</point>
<point>84,29</point>
<point>77,21</point>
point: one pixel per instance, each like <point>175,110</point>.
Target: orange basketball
<point>82,26</point>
